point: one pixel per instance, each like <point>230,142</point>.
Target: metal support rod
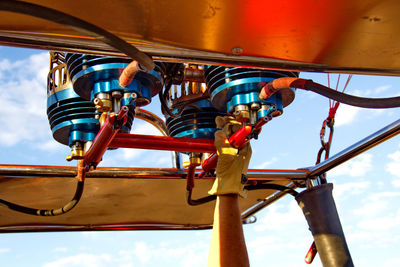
<point>127,173</point>
<point>178,55</point>
<point>265,202</point>
<point>369,142</point>
<point>163,143</point>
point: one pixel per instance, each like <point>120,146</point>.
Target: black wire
<point>163,93</point>
<point>78,25</point>
<point>272,186</point>
<point>164,106</point>
<point>203,200</point>
<point>53,212</point>
<point>200,201</point>
<point>363,102</point>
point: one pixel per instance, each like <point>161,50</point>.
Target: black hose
<point>200,201</point>
<point>80,26</point>
<point>363,102</point>
<point>203,200</point>
<point>272,186</point>
<point>164,106</point>
<point>53,212</point>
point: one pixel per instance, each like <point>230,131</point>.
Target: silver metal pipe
<point>265,202</point>
<point>160,125</point>
<point>369,142</point>
<point>281,174</point>
<point>62,171</point>
<point>178,55</point>
<point>152,119</point>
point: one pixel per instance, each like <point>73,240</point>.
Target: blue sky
<point>366,189</point>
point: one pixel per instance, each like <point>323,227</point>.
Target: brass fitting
<point>77,152</point>
<point>242,113</point>
<point>103,102</point>
<point>102,118</point>
<point>194,159</point>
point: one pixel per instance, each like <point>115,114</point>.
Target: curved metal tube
<point>157,122</point>
<point>153,119</point>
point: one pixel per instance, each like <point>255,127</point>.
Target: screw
<point>237,50</point>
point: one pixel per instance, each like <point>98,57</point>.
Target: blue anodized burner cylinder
<point>195,121</point>
<point>236,89</point>
<point>96,78</point>
<point>72,119</point>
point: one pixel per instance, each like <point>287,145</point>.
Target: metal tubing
<point>92,227</point>
<point>152,119</point>
<point>178,55</point>
<point>160,125</point>
<point>369,142</point>
<point>100,143</point>
<point>163,143</point>
<point>265,202</point>
<point>120,173</point>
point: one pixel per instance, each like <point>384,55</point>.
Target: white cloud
<point>346,115</point>
<point>392,262</point>
<point>4,250</point>
<point>22,100</point>
<point>381,223</point>
<point>140,127</point>
<point>267,163</point>
<point>373,208</point>
<point>356,167</point>
<point>396,182</point>
<point>143,252</point>
<point>83,259</point>
<point>393,167</point>
<point>382,88</point>
<point>280,218</point>
<point>166,253</point>
<point>60,249</point>
<point>347,189</point>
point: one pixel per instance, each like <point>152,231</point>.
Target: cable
<point>161,96</point>
<point>80,26</point>
<point>203,200</point>
<point>200,201</point>
<point>53,212</point>
<point>363,102</point>
<point>272,186</point>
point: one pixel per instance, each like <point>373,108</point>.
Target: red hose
<point>129,73</point>
<point>281,83</point>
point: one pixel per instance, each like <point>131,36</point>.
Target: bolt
<point>116,94</point>
<point>255,106</point>
<point>237,50</point>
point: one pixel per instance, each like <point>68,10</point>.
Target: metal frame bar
<point>365,144</point>
<point>145,173</point>
<point>175,54</point>
<point>137,173</point>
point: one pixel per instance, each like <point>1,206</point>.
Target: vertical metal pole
<point>322,217</point>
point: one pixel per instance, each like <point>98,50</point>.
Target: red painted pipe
<point>100,144</point>
<point>237,140</point>
<point>179,144</point>
<point>104,137</point>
